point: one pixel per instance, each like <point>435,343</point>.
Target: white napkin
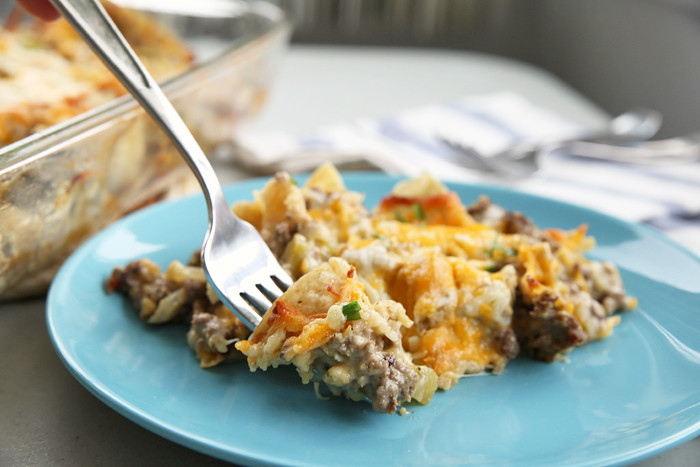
<point>664,197</point>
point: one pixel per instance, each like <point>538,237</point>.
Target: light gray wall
<point>619,53</point>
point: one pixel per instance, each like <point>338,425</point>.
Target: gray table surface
<point>48,418</point>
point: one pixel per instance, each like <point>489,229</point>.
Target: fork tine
<point>283,282</point>
<point>268,288</point>
<point>250,316</point>
<point>256,299</point>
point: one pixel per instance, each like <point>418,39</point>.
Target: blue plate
<point>621,399</point>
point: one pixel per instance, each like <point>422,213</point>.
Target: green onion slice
<point>418,211</point>
<point>352,311</point>
<point>496,246</point>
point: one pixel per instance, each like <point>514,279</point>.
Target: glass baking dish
<point>63,184</point>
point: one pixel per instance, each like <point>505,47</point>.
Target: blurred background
<point>620,53</point>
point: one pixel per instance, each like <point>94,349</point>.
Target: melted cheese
<point>448,282</point>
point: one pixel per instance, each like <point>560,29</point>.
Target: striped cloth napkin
<point>664,197</point>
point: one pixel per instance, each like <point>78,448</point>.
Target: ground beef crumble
<point>213,328</point>
<point>383,376</point>
<point>542,331</point>
<point>145,285</point>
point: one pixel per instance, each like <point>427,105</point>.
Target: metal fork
<point>237,262</point>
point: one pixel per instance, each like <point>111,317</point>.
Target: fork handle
<point>91,21</point>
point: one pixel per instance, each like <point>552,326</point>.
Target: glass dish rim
<point>28,149</point>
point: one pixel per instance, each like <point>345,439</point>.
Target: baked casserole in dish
<point>76,153</point>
